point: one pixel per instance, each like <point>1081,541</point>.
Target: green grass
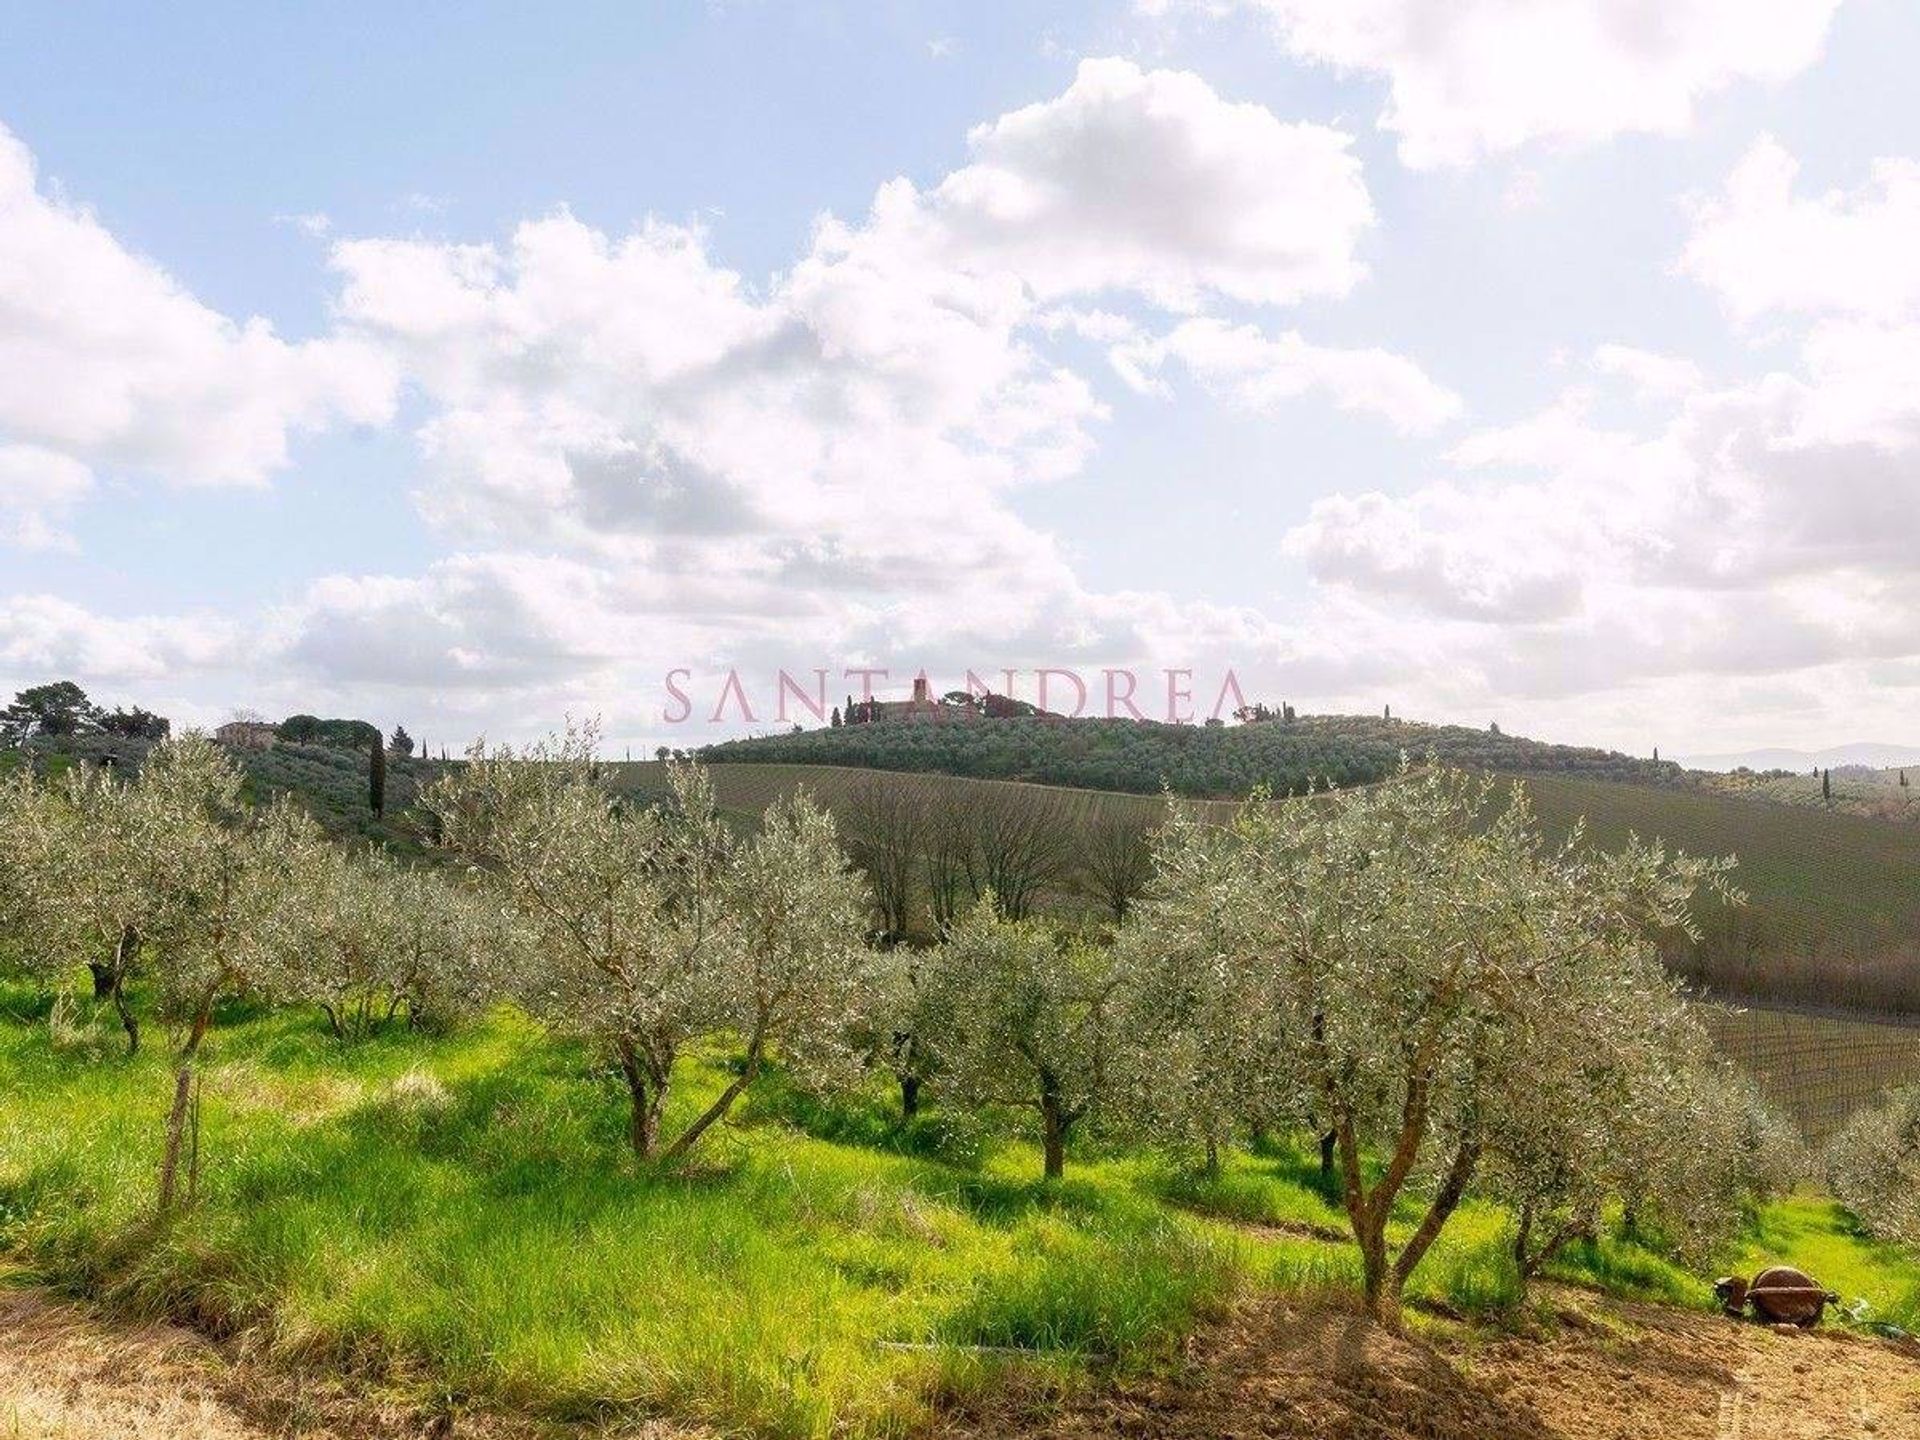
<point>456,1219</point>
<point>1816,1233</point>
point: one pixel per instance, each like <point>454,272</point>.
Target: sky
<point>1548,363</point>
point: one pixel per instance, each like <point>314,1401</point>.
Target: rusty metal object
<point>1779,1295</point>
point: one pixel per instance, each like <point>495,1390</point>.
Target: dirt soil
<point>1607,1371</point>
<point>66,1375</point>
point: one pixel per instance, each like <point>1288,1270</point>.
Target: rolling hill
<point>1833,912</point>
<point>1286,756</point>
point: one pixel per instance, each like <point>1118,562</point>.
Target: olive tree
<point>1406,952</point>
<point>1025,1018</point>
<point>898,1024</point>
<point>178,860</point>
<point>648,927</point>
<point>793,969</point>
<point>1692,1178</point>
<point>451,951</point>
<point>624,903</point>
<point>1637,1112</point>
<point>368,939</point>
<point>1873,1165</point>
<point>331,941</point>
<point>95,852</point>
<point>1192,957</point>
<point>31,834</point>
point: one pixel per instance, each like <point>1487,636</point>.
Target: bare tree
<point>946,856</point>
<point>1116,859</point>
<point>888,826</point>
<point>1022,846</point>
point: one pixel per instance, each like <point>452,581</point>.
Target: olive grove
<point>1411,971</point>
<point>1024,1018</point>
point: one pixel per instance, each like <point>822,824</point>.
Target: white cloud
<point>1148,181</point>
<point>825,462</point>
<point>1653,375</point>
<point>37,488</point>
<point>1767,250</point>
<point>1725,540</point>
<point>315,223</point>
<point>46,636</point>
<point>106,360</point>
<point>1846,262</point>
<point>1260,373</point>
<point>1761,528</point>
<point>1468,78</point>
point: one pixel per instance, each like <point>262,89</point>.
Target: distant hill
<point>1866,752</point>
<point>1286,756</point>
<point>1833,917</point>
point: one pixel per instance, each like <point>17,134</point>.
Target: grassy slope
<point>1817,876</point>
<point>457,1217</point>
<point>460,1216</point>
<point>1833,913</point>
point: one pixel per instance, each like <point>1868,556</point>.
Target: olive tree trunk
<point>183,1080</point>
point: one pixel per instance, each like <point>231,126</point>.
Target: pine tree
<point>377,777</point>
<point>1826,786</point>
<point>835,722</point>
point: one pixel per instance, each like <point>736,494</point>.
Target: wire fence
<point>1818,1068</point>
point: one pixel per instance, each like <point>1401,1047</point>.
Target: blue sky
<point>1518,401</point>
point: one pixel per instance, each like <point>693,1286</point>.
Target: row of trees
<point>1408,971</point>
<point>1873,1165</point>
<point>176,886</point>
<point>931,854</point>
<point>61,710</point>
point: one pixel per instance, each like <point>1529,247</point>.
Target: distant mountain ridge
<point>1862,752</point>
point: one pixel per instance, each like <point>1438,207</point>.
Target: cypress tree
<point>377,777</point>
